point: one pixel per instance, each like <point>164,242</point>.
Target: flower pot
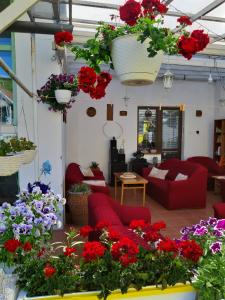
<point>131,62</point>
<point>10,164</point>
<point>8,288</point>
<point>63,96</point>
<point>29,156</point>
<point>178,292</point>
<point>78,208</point>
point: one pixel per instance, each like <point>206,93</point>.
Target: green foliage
<point>97,50</point>
<point>94,165</point>
<point>80,188</point>
<point>26,144</point>
<point>5,148</point>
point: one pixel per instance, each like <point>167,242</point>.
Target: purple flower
<point>38,205</point>
<point>37,184</point>
<point>201,231</point>
<point>220,224</point>
<point>2,228</point>
<point>216,247</point>
<point>203,223</point>
<point>217,233</point>
<point>5,205</point>
<point>212,221</point>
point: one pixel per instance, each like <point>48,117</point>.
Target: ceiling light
<point>210,78</point>
<point>168,79</point>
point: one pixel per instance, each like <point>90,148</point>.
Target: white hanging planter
<point>63,96</point>
<point>29,156</point>
<point>131,62</point>
<point>10,164</point>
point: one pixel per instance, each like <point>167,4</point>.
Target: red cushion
<point>219,210</point>
<point>73,174</point>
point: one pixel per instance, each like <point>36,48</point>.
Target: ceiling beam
<point>167,2</point>
<point>70,12</point>
<point>13,12</point>
<point>56,10</point>
<point>29,12</point>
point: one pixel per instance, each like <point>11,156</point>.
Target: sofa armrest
<point>129,213</point>
<point>98,174</point>
<point>146,171</point>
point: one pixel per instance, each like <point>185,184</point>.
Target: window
<point>160,131</point>
<point>6,84</point>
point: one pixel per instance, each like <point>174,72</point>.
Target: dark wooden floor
<point>175,219</point>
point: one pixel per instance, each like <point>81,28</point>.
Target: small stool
<point>219,210</point>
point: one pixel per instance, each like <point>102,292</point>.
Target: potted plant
<point>135,49</point>
<point>30,150</point>
<point>10,158</point>
<point>25,227</point>
<point>77,203</point>
<point>57,85</point>
<point>113,265</point>
<point>94,165</point>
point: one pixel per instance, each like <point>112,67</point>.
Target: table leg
<point>115,189</point>
<point>144,190</point>
<point>122,190</point>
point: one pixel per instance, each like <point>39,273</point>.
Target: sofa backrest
<point>205,161</point>
<point>73,175</point>
<point>176,166</point>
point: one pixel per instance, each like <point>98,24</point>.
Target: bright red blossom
<point>130,12</point>
<point>113,235</point>
<point>153,7</point>
<point>49,270</point>
<point>191,250</point>
<point>69,251</point>
<point>85,230</point>
<point>63,37</point>
<point>167,245</point>
<point>184,20</point>
<point>27,247</point>
<point>41,252</point>
<point>86,77</point>
<point>187,46</point>
<point>125,250</point>
<point>92,251</point>
<point>138,224</point>
<point>202,38</point>
<point>102,224</point>
<point>152,236</point>
<point>159,225</point>
<point>12,245</point>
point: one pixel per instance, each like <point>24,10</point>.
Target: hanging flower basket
<point>63,96</point>
<point>178,292</point>
<point>10,164</point>
<point>29,156</point>
<point>131,62</point>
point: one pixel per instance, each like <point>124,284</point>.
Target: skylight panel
<point>190,6</point>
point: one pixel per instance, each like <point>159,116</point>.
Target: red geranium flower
<point>162,8</point>
<point>49,270</point>
<point>97,92</point>
<point>27,247</point>
<point>191,250</point>
<point>155,6</point>
<point>202,38</point>
<point>184,20</point>
<point>93,250</point>
<point>152,236</point>
<point>63,37</point>
<point>86,78</point>
<point>167,245</point>
<point>12,245</point>
<point>138,224</point>
<point>85,230</point>
<point>187,46</point>
<point>159,225</point>
<point>102,224</point>
<point>69,251</point>
<point>125,250</point>
<point>104,79</point>
<point>113,235</point>
<point>41,252</point>
<point>130,12</point>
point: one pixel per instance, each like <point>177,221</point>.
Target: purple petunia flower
<point>220,224</point>
<point>201,231</point>
<point>217,233</point>
<point>216,247</point>
<point>212,221</point>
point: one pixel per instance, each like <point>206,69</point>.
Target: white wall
<point>45,128</point>
<point>86,141</point>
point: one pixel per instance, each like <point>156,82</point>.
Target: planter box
<point>178,292</point>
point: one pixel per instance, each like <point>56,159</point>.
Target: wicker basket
<point>29,156</point>
<point>78,207</point>
<point>10,164</point>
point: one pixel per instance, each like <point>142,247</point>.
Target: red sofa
<point>103,207</point>
<point>74,175</point>
<point>213,168</point>
<point>190,193</point>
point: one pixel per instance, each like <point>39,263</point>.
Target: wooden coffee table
<point>130,184</point>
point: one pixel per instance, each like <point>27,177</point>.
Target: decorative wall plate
<point>91,111</point>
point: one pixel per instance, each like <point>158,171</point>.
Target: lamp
<point>210,78</point>
<point>168,79</point>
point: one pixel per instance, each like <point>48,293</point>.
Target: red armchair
<point>190,193</point>
<point>213,168</point>
<point>103,207</point>
<point>74,175</point>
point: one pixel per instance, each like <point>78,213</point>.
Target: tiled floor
<point>175,219</point>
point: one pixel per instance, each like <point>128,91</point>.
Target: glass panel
<point>170,129</point>
<point>147,137</point>
<point>218,12</point>
<point>190,6</point>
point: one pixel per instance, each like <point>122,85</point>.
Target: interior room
<point>112,149</point>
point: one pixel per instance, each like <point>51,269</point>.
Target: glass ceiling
<point>208,14</point>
